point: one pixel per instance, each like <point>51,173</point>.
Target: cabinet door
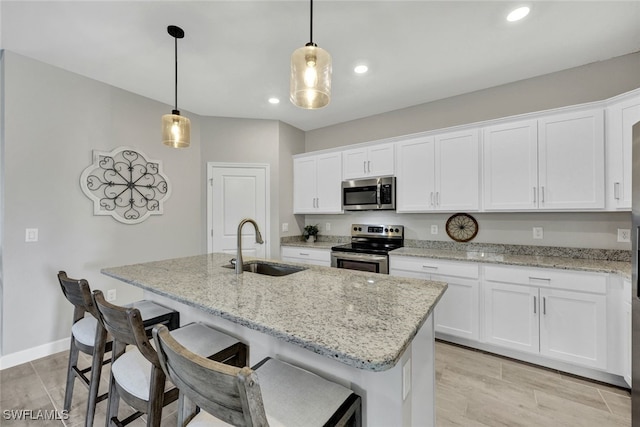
<point>354,163</point>
<point>510,153</point>
<point>415,185</point>
<point>329,183</point>
<point>620,119</point>
<point>381,160</point>
<point>511,316</point>
<point>457,313</point>
<point>304,185</point>
<point>571,160</point>
<point>573,327</point>
<point>457,175</point>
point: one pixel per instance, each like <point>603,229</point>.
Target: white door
<point>237,191</point>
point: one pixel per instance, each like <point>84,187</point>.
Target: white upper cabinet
<point>317,184</point>
<point>553,163</point>
<point>622,114</point>
<point>364,162</point>
<point>438,173</point>
<point>511,166</point>
<point>571,160</point>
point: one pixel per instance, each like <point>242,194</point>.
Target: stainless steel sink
<point>267,269</point>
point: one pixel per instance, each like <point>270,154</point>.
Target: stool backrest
<point>226,392</point>
<point>125,326</point>
<point>78,292</point>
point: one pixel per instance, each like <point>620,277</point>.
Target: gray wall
<point>588,83</point>
<point>54,119</point>
<point>291,142</point>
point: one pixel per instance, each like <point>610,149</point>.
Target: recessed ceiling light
<point>361,69</point>
<point>274,100</point>
<point>518,14</point>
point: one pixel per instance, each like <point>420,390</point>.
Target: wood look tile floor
<point>472,389</point>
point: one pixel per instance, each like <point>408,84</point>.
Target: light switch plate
<point>538,232</point>
<point>285,226</point>
<point>31,235</point>
<point>434,229</point>
<point>327,226</point>
<point>111,295</point>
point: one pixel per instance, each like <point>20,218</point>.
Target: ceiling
<point>235,54</point>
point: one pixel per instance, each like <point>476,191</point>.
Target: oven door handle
<point>358,257</point>
<point>378,193</point>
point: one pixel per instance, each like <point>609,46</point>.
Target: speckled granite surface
<point>584,264</point>
<point>362,319</point>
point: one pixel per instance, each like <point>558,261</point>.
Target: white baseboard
<point>20,357</point>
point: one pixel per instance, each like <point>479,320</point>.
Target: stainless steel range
<point>369,248</point>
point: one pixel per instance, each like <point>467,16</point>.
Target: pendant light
<point>176,129</point>
<point>310,86</point>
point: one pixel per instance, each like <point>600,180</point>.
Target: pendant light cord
<point>176,73</point>
<point>311,23</point>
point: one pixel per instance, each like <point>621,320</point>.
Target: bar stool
<point>272,393</point>
<point>89,338</point>
<point>136,375</point>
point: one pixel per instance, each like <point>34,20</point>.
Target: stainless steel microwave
<point>369,194</point>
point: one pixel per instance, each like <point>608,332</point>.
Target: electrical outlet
<point>624,235</point>
<point>111,295</point>
<point>285,226</point>
<point>434,229</point>
<point>327,226</point>
<point>538,233</point>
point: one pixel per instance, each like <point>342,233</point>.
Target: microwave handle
<point>378,192</point>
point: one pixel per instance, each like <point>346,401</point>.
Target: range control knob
<point>386,230</point>
<point>397,231</point>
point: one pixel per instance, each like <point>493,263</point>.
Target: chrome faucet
<point>239,263</point>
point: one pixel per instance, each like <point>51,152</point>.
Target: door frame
<point>267,183</point>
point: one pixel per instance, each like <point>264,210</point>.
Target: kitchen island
<point>370,332</point>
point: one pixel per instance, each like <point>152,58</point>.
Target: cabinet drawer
<point>562,279</point>
<point>433,266</point>
<point>300,253</point>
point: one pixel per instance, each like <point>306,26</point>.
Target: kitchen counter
<point>371,332</point>
<point>565,263</point>
<point>361,319</point>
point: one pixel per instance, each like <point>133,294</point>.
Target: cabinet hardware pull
<point>437,198</point>
<point>364,166</point>
<point>542,200</point>
<point>432,198</point>
<point>304,254</point>
<point>535,304</point>
<point>544,305</point>
<point>534,195</point>
<point>430,266</point>
<point>616,190</point>
<point>546,279</point>
<point>369,166</point>
<point>317,202</point>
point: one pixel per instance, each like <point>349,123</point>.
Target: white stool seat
<point>132,371</point>
<point>84,330</point>
<point>292,397</point>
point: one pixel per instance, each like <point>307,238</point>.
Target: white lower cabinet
<point>457,312</point>
<point>314,256</point>
<point>559,314</point>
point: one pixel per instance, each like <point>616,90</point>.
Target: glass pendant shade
<point>310,86</point>
<point>176,130</point>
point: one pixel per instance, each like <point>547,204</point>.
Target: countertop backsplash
<point>547,251</point>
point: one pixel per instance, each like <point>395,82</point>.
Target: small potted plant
<point>310,233</point>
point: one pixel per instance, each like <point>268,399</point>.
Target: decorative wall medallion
<point>462,227</point>
<point>124,184</point>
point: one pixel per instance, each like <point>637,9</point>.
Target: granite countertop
<point>566,263</point>
<point>364,320</point>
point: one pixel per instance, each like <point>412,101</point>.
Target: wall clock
<point>462,227</point>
